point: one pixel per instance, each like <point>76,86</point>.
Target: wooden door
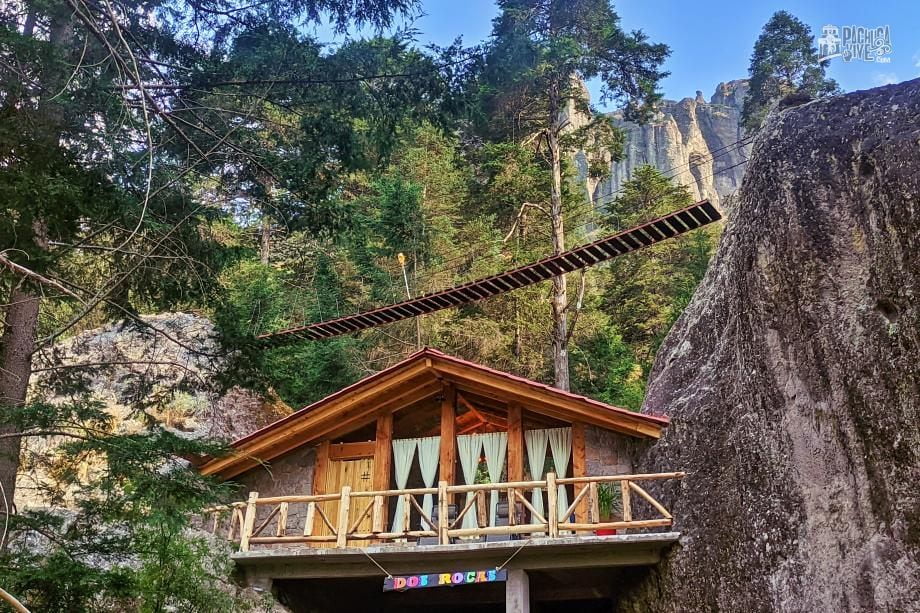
<point>359,474</point>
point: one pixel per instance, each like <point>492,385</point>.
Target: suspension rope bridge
<point>673,224</point>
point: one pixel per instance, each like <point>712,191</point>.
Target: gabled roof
<point>420,376</point>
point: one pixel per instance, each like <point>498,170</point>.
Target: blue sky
<point>711,41</point>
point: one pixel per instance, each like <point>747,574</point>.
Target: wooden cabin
<point>354,488</point>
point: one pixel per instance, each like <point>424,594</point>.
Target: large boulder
<point>793,378</point>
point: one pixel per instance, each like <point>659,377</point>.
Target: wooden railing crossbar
<point>584,507</point>
<point>533,512</point>
<point>459,518</point>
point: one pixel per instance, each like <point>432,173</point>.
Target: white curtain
<point>495,446</point>
<point>403,452</point>
<point>560,444</point>
<point>429,451</point>
<point>536,441</point>
<point>468,447</point>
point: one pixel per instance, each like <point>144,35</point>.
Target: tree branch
<point>34,276</point>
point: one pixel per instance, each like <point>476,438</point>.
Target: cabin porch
<point>345,539</point>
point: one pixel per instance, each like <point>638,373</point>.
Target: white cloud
<point>885,78</point>
<point>917,62</point>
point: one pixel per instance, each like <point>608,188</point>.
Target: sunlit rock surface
<point>793,378</point>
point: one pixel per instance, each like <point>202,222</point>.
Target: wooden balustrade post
<point>249,521</point>
<point>311,517</point>
<point>579,467</point>
<point>341,533</point>
<point>552,513</point>
<point>482,510</point>
<point>407,512</point>
<point>593,503</point>
<point>627,503</point>
<point>378,521</point>
<point>443,520</point>
<point>281,530</point>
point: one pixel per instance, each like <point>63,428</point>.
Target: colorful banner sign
<point>467,577</point>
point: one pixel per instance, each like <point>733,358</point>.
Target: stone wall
<point>289,475</point>
<point>606,452</point>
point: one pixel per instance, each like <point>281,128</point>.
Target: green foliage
<point>609,500</point>
<point>784,62</point>
<point>312,370</point>
<point>606,368</point>
<point>401,224</point>
<point>647,290</point>
<point>547,46</point>
<point>126,542</point>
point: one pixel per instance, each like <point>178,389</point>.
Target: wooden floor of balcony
<point>538,553</point>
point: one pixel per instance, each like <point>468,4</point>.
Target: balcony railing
<point>309,520</point>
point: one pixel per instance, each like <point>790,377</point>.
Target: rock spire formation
<point>793,379</point>
<point>691,140</point>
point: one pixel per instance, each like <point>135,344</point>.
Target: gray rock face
<point>692,141</point>
<point>140,375</point>
<point>793,378</point>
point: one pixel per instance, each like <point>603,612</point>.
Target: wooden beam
<point>320,469</point>
<point>515,442</point>
<point>565,409</point>
<point>579,467</point>
<point>353,404</point>
<point>351,451</point>
<point>383,455</point>
<point>448,457</point>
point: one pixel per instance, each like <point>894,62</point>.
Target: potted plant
<point>609,505</point>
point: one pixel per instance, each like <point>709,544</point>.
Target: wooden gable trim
<point>562,408</point>
<point>417,378</point>
<point>347,412</point>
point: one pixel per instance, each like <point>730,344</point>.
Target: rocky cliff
<point>692,140</point>
<point>164,372</point>
<point>793,378</point>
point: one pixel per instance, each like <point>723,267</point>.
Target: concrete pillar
<point>517,591</point>
<point>258,582</point>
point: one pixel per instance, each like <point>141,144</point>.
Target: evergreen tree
<point>102,153</point>
<point>532,85</point>
<point>784,62</point>
<point>646,291</point>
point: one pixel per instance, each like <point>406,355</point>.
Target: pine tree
<point>784,62</point>
<point>533,84</point>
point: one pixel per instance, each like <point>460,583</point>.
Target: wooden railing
<point>247,522</point>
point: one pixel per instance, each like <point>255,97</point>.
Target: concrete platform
<point>262,566</point>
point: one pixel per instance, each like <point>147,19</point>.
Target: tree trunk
<point>21,314</point>
<point>265,241</point>
<point>15,368</point>
<point>560,292</point>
